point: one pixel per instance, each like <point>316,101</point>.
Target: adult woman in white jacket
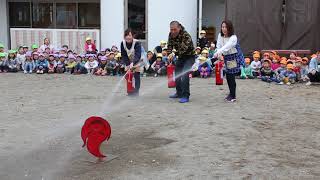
<point>228,46</point>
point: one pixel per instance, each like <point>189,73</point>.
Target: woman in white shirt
<point>228,46</point>
<point>46,44</point>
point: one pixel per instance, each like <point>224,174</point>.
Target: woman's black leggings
<point>231,79</point>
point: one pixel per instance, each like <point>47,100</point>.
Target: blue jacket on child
<point>42,64</point>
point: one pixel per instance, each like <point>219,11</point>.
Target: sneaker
<point>228,97</point>
<point>308,83</point>
<point>231,100</point>
<point>25,71</point>
<point>288,83</point>
<point>174,96</point>
<point>280,83</point>
<point>184,100</point>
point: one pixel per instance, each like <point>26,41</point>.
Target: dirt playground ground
<point>272,132</point>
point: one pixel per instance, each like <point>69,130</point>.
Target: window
<point>89,15</point>
<point>137,17</point>
<point>19,14</point>
<point>42,15</point>
<point>66,15</point>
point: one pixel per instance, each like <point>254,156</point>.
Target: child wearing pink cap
<point>101,70</point>
<point>71,64</point>
<point>61,64</point>
<point>91,65</point>
<point>41,65</point>
<point>29,64</point>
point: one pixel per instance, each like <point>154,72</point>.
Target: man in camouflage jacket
<point>181,41</point>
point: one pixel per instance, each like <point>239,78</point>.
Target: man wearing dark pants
<point>181,41</point>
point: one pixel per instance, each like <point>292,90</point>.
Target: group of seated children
<point>105,62</point>
<point>273,68</point>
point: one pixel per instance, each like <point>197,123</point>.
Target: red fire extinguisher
<point>129,78</point>
<point>171,76</point>
<point>219,73</point>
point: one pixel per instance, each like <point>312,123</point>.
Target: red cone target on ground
<point>94,132</point>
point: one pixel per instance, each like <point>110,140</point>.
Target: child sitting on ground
<point>198,52</point>
<point>304,70</point>
<point>111,64</point>
<point>91,65</point>
<point>297,68</point>
<point>256,65</point>
<point>13,63</point>
<point>205,53</point>
<point>41,65</point>
<point>71,64</point>
<point>204,67</point>
<point>275,62</point>
<point>293,56</point>
<point>267,75</point>
<point>289,76</point>
<point>283,67</point>
<point>29,64</point>
<point>79,68</point>
<point>158,66</point>
<point>61,66</point>
<point>51,64</point>
<point>246,71</point>
<point>102,68</point>
<point>119,65</point>
<point>194,69</point>
<point>3,63</point>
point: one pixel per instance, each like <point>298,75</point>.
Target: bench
<point>288,52</point>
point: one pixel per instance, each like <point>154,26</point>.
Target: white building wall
<point>162,12</point>
<point>4,30</point>
<point>112,22</point>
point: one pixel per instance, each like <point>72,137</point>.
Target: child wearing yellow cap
<point>288,76</point>
<point>158,66</point>
<point>246,71</point>
<point>204,67</point>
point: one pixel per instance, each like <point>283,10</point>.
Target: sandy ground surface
<point>272,132</point>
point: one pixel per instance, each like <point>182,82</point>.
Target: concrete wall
<point>4,30</point>
<point>213,13</point>
<point>162,12</point>
<point>112,22</point>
